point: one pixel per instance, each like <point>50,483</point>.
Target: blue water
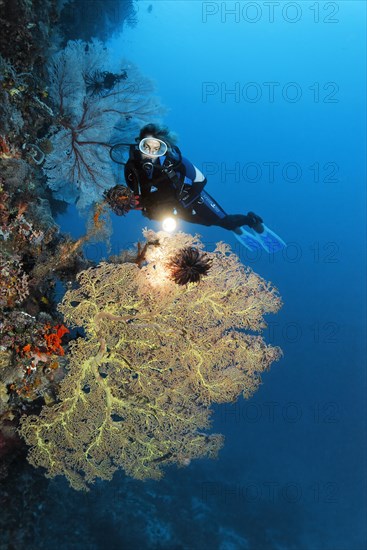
<point>272,108</point>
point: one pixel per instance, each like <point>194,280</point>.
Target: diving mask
<point>152,147</point>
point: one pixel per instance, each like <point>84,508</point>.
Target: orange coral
<point>53,344</point>
<point>7,151</point>
<point>4,147</point>
<point>53,339</point>
<point>97,222</point>
<point>22,207</point>
<point>35,354</point>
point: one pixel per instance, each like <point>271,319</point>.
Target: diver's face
<point>151,148</point>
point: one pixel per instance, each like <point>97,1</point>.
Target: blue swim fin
<point>267,240</point>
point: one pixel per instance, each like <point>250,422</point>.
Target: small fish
<point>14,91</point>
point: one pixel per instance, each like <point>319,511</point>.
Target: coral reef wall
<point>53,99</point>
<point>37,262</point>
<point>83,19</point>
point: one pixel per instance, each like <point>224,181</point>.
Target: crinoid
<point>188,265</point>
<point>120,199</point>
<point>100,82</point>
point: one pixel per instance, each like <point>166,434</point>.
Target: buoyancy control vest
<point>142,175</point>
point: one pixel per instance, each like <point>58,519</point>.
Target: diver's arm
<point>198,186</point>
<point>192,190</point>
<point>192,172</point>
<point>131,177</point>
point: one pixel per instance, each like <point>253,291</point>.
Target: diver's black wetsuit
<point>182,190</point>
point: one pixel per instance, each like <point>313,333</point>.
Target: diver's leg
<point>209,212</point>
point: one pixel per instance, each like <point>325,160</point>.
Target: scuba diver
<point>164,183</point>
<point>167,182</point>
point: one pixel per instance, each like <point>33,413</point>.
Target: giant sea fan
<point>155,356</point>
<point>79,167</point>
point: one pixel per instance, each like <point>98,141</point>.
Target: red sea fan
<point>94,104</point>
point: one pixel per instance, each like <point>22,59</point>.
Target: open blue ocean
<point>268,100</point>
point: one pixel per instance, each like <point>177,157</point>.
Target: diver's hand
<point>184,198</point>
<point>138,205</point>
